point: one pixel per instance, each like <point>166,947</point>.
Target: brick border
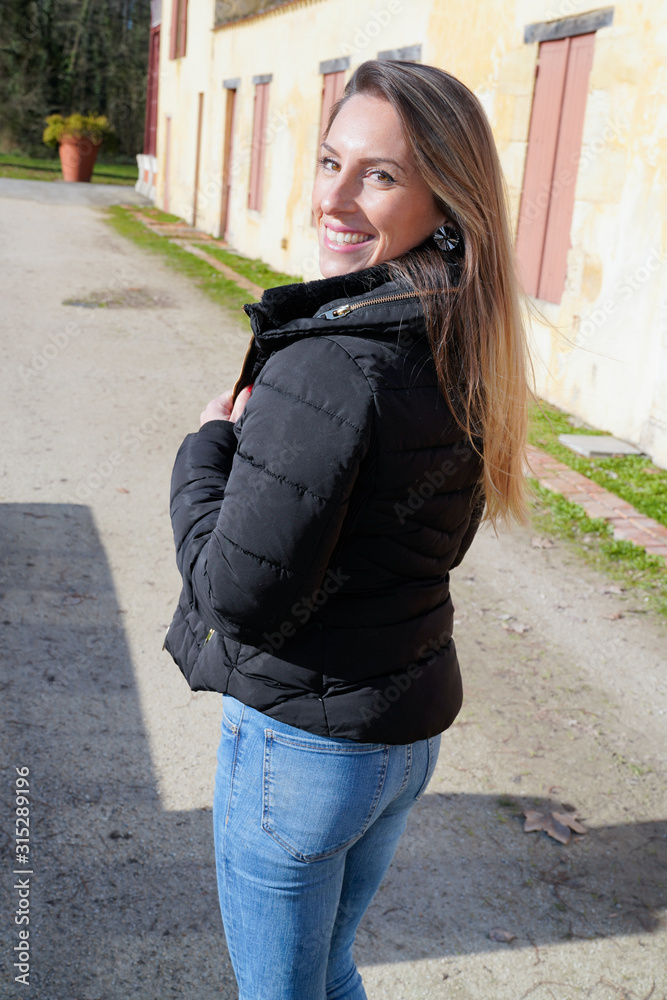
<point>184,236</point>
<point>626,522</point>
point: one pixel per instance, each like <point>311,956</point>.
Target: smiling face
<point>370,202</point>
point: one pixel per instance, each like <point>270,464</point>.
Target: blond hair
<point>472,313</point>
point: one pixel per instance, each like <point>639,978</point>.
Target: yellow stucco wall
<point>604,356</point>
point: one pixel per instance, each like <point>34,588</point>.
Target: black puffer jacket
<point>315,536</point>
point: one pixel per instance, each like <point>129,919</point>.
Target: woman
<point>316,522</point>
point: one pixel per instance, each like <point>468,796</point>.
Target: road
<point>565,684</point>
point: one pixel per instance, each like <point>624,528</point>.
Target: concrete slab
<point>597,445</point>
<point>73,193</point>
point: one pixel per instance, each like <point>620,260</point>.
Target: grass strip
<point>592,538</point>
<point>632,477</point>
<point>157,214</point>
<point>254,270</point>
<point>31,168</point>
<point>223,291</point>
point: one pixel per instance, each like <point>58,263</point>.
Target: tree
<point>73,55</point>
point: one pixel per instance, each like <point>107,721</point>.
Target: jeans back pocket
<point>319,795</point>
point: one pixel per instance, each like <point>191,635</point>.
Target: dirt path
<point>572,710</point>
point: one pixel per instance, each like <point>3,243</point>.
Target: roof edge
<point>278,8</point>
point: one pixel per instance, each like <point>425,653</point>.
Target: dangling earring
<point>447,238</point>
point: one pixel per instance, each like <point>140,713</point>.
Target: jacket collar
<point>294,312</point>
<point>281,306</point>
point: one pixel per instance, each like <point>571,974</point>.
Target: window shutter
<point>258,145</point>
<point>150,130</point>
<point>561,208</point>
<point>334,85</point>
<point>554,145</point>
<point>540,160</point>
<point>173,38</point>
<point>182,25</point>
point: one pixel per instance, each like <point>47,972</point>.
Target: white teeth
<point>335,237</point>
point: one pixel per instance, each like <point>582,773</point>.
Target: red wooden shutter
<point>258,145</point>
<point>227,163</point>
<point>167,163</point>
<point>334,85</point>
<point>561,206</point>
<point>150,130</point>
<point>540,158</point>
<point>173,38</point>
<point>554,144</point>
<point>182,25</point>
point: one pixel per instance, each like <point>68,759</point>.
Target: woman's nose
<point>338,195</point>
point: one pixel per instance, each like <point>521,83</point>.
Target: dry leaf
<point>121,489</point>
<point>569,819</point>
<point>542,543</point>
<point>557,830</point>
<point>612,588</point>
<point>556,824</point>
<point>515,627</point>
<point>70,599</point>
<point>534,821</point>
<point>614,616</point>
<point>500,934</point>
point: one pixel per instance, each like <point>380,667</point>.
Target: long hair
<point>472,312</point>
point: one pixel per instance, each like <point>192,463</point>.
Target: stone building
<point>238,91</point>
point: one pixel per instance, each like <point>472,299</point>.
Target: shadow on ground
<point>123,900</point>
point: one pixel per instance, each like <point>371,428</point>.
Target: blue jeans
<point>305,828</point>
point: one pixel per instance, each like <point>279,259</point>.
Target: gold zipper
<point>347,308</point>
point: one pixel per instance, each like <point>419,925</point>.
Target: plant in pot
<point>79,138</point>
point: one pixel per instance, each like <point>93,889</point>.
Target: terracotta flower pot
<point>77,158</point>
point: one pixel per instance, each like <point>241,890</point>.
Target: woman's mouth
<point>343,241</point>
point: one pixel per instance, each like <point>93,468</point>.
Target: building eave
<point>278,8</point>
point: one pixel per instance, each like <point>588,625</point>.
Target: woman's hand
<point>222,408</point>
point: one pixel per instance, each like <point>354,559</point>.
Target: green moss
<point>223,291</point>
<point>633,477</point>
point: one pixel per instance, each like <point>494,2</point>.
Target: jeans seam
<point>292,741</point>
<point>408,768</point>
<point>429,774</point>
<point>269,737</point>
<point>236,729</point>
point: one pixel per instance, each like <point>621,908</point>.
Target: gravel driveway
<point>565,689</point>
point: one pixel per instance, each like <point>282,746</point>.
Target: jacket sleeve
<point>256,534</point>
<point>476,514</point>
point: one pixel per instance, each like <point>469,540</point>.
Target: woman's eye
<point>382,175</point>
<point>328,163</point>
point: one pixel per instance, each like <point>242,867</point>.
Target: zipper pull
<point>335,313</point>
<point>211,633</point>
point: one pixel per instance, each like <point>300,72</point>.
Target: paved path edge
<point>626,522</point>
